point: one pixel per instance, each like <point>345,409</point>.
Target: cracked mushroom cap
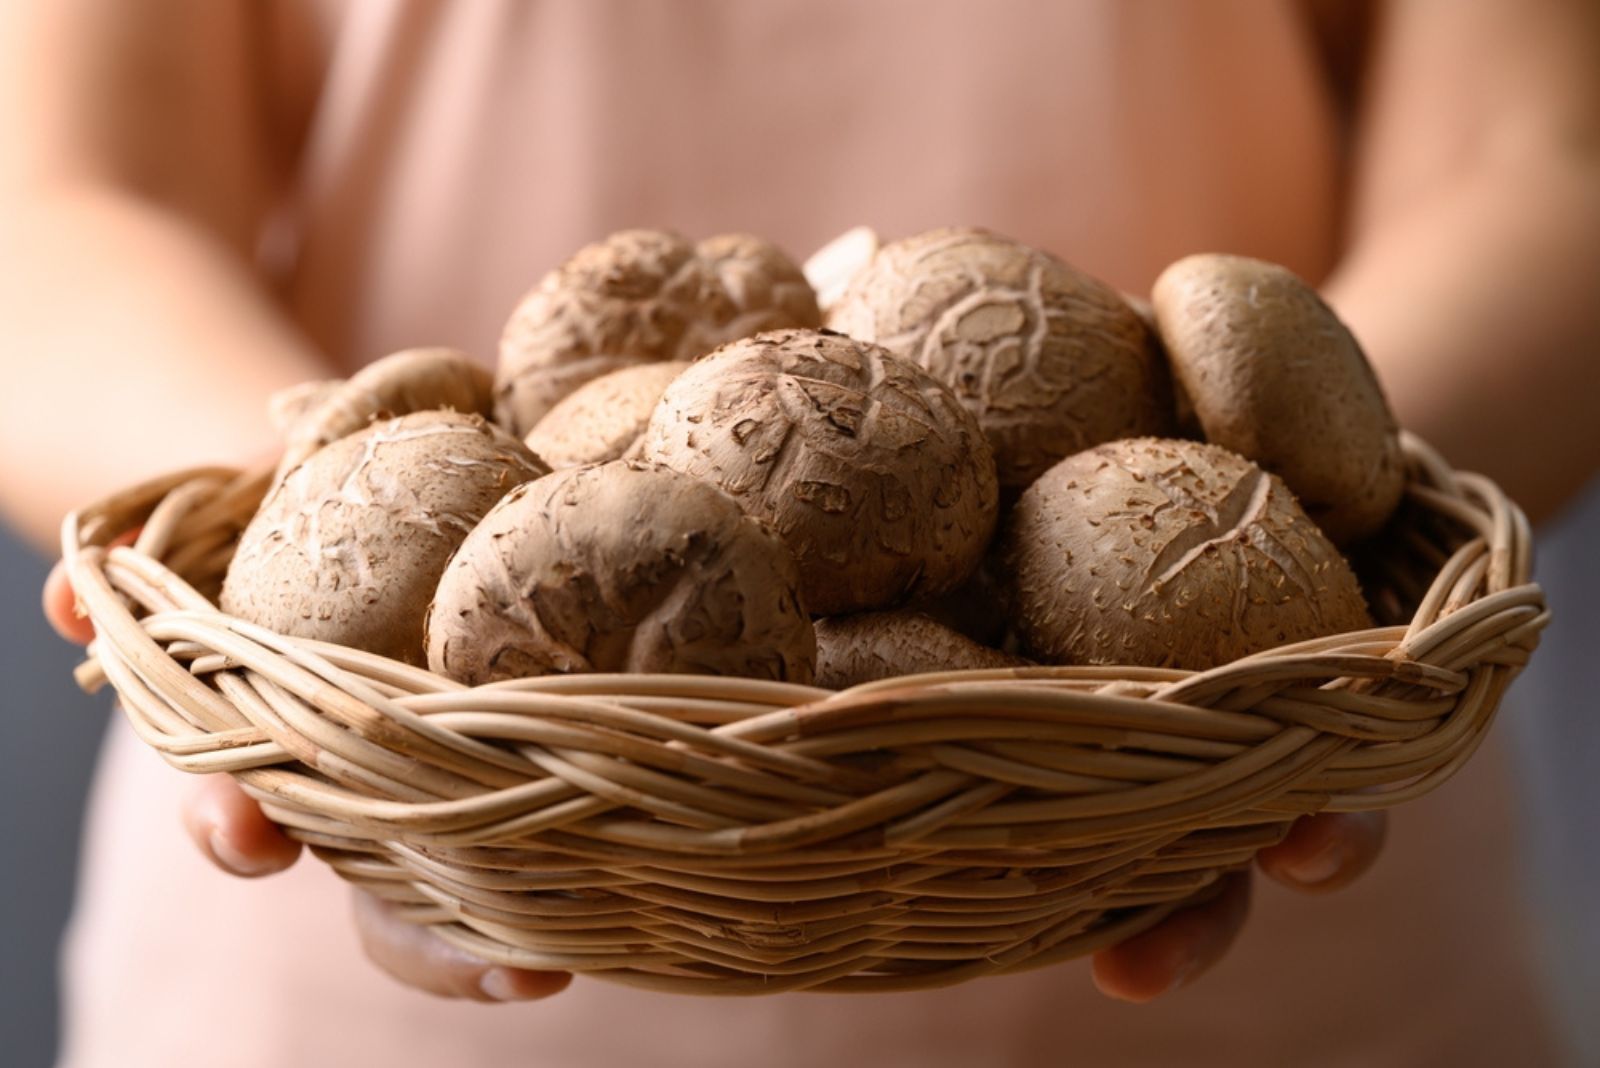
<point>603,419</point>
<point>872,471</point>
<point>288,407</point>
<point>638,296</point>
<point>411,380</point>
<point>765,288</point>
<point>1170,554</point>
<point>622,566</point>
<point>1050,360</point>
<point>349,546</point>
<point>1274,375</point>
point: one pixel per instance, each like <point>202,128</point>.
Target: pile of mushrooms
<point>985,459</point>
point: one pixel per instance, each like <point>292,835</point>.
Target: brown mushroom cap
<point>620,566</point>
<point>603,419</point>
<point>871,470</point>
<point>288,407</point>
<point>411,380</point>
<point>767,289</point>
<point>638,295</point>
<point>537,393</point>
<point>349,546</point>
<point>1275,376</point>
<point>977,608</point>
<point>1171,554</point>
<point>867,646</point>
<point>1050,360</point>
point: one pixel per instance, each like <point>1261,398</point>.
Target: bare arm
<point>137,161</point>
<point>1473,272</point>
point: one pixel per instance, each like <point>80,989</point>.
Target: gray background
<point>52,732</point>
<point>47,749</point>
<point>1554,718</point>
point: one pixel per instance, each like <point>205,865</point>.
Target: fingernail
<point>233,860</point>
<point>498,984</point>
<point>1184,968</point>
<point>1319,867</point>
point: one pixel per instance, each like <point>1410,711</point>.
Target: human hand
<point>1321,853</point>
<point>230,829</point>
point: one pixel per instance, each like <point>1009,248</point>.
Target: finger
<point>61,607</point>
<point>1177,949</point>
<point>61,604</point>
<point>231,829</point>
<point>417,957</point>
<point>1326,851</point>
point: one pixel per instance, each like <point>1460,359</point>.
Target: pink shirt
<point>459,151</point>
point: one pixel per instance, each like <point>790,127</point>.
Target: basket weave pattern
<point>726,836</point>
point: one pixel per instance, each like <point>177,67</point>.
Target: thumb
<point>61,607</point>
<point>61,604</point>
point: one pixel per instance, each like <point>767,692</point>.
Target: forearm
<point>1478,307</point>
<point>136,344</point>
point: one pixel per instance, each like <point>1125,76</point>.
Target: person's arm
<point>1472,275</point>
<point>141,150</point>
<point>137,163</point>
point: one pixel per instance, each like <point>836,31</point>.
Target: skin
<point>1475,190</point>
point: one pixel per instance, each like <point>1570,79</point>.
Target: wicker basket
<point>724,836</point>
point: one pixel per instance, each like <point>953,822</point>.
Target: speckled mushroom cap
<point>875,475</point>
<point>603,419</point>
<point>766,289</point>
<point>350,544</point>
<point>867,646</point>
<point>1050,360</point>
<point>291,405</point>
<point>1170,554</point>
<point>526,402</point>
<point>1274,375</point>
<point>411,380</point>
<point>622,566</point>
<point>638,295</point>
